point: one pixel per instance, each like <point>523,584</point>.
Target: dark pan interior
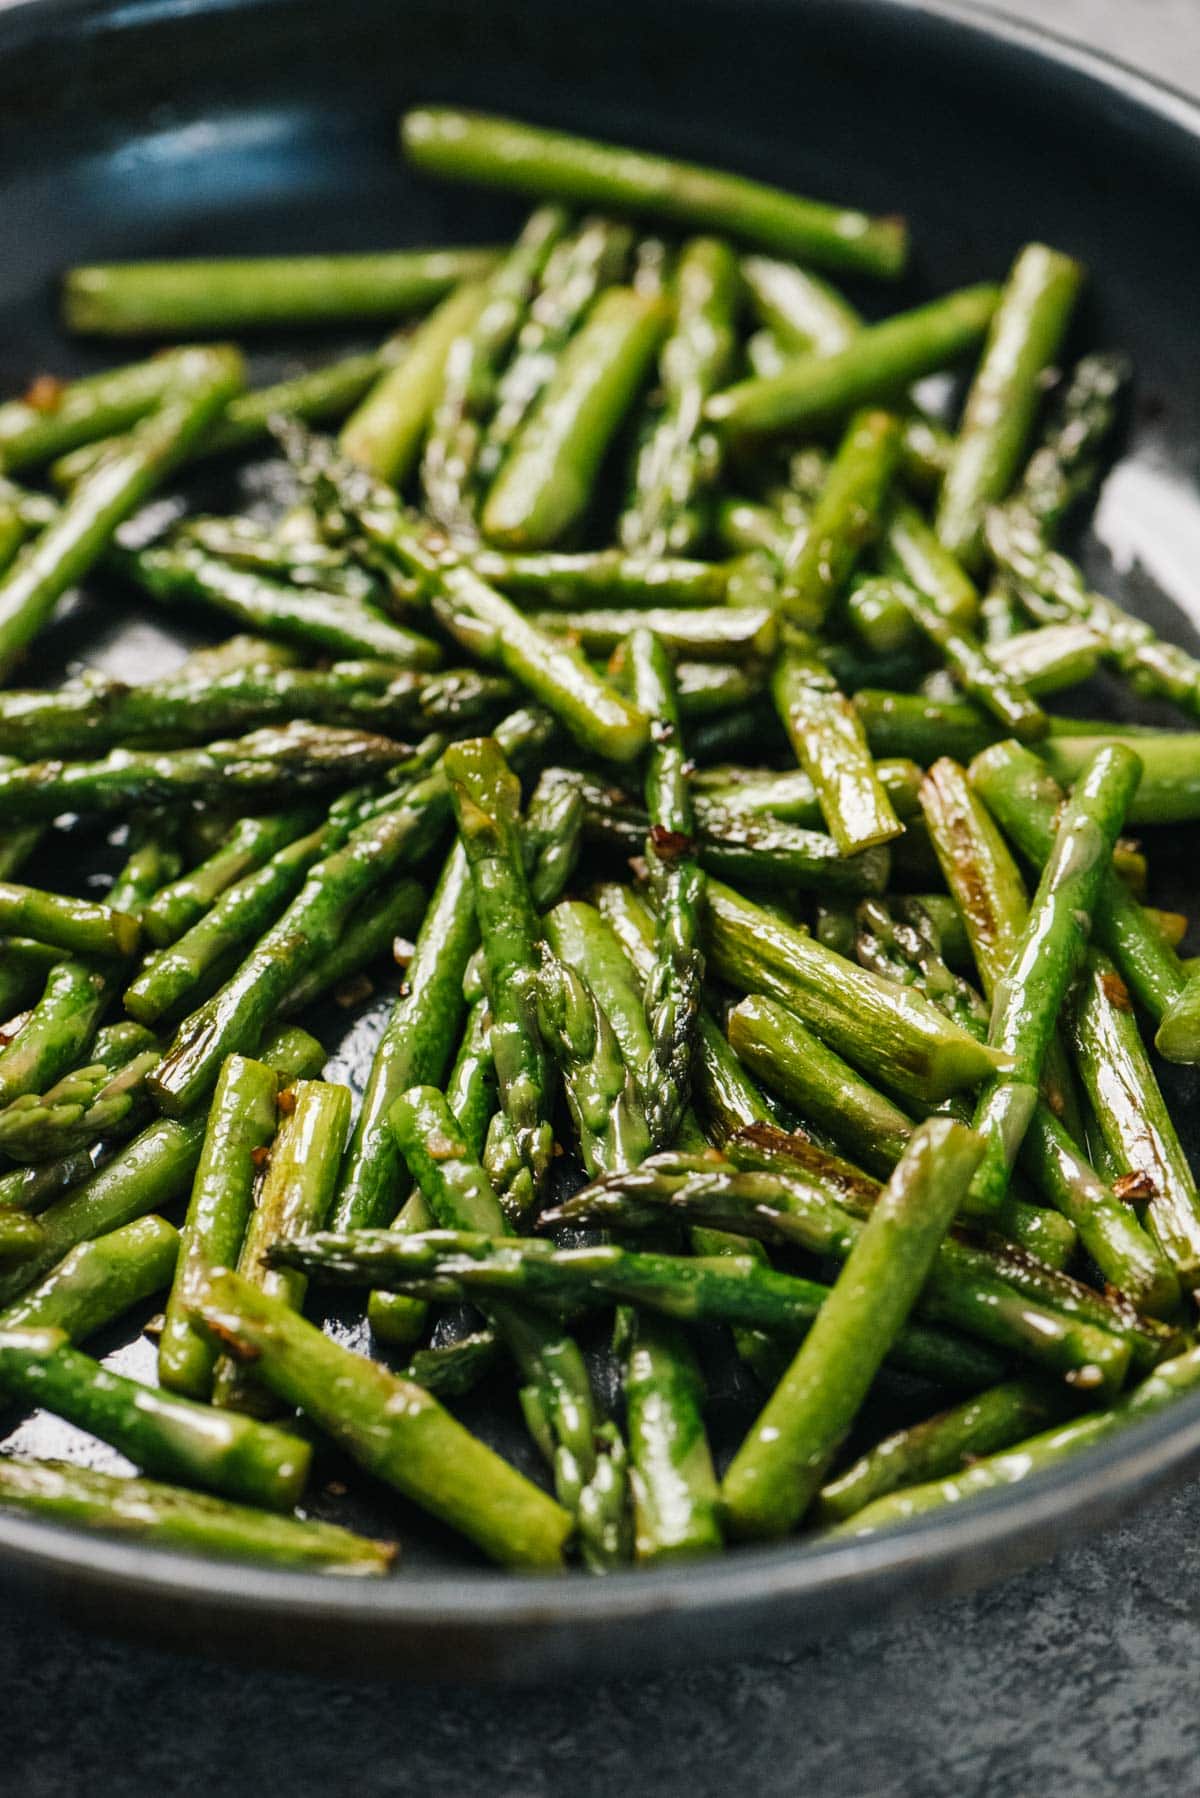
<point>216,127</point>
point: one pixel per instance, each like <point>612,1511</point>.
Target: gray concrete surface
<point>1078,1679</point>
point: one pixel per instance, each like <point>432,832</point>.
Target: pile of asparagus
<point>779,970</point>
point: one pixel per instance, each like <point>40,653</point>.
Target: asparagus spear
<point>605,1107</point>
<point>1024,799</point>
<point>791,796</point>
<point>372,932</point>
<point>79,926</point>
<point>481,619</point>
<point>298,758</point>
<point>71,543</point>
<point>1127,1255</point>
<point>557,1395</point>
<point>940,1446</point>
<point>233,1456</point>
<point>99,1281</point>
<point>294,1199</point>
<point>487,799</point>
<point>385,430</point>
<point>455,1368</point>
<point>981,873</point>
<point>92,1102</point>
<point>59,1030</point>
<point>136,299</point>
<point>720,634</point>
<point>415,1047</point>
<point>732,1289</point>
<point>876,365</point>
<point>472,1096</point>
<point>1169,789</point>
<point>470,374</point>
<point>251,843</point>
<point>674,1486</point>
<point>676,978</point>
<point>829,743</point>
<point>241,1125</point>
<point>1052,587</point>
<point>857,1118</point>
<point>1168,1381</point>
<point>677,460</point>
<point>319,396</point>
<point>846,517</point>
<point>614,959</point>
<point>984,677</point>
<point>544,488</point>
<point>1065,464</point>
<point>909,953</point>
<point>1029,994</point>
<point>171,1517</point>
<point>399,833</point>
<point>392,1428</point>
<point>893,1031</point>
<point>1024,337</point>
<point>578,268</point>
<point>1003,1299</point>
<point>248,907</point>
<point>21,1236</point>
<point>89,719</point>
<point>603,577</point>
<point>329,623</point>
<point>777,1470</point>
<point>1132,1115</point>
<point>502,153</point>
<point>61,415</point>
<point>146,1175</point>
<point>804,312</point>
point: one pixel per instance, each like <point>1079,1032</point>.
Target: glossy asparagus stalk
<point>487,798</point>
<point>609,577</point>
<point>294,1199</point>
<point>778,1468</point>
<point>1132,1114</point>
<point>333,624</point>
<point>578,268</point>
<point>732,1289</point>
<point>848,515</point>
<point>1162,1387</point>
<point>240,1127</point>
<point>893,1031</point>
<point>829,743</point>
<point>77,536</point>
<point>877,365</point>
<point>172,1517</point>
<point>297,759</point>
<point>394,1429</point>
<point>136,299</point>
<point>1025,799</point>
<point>57,416</point>
<point>503,153</point>
<point>678,460</point>
<point>236,1457</point>
<point>99,1281</point>
<point>940,1446</point>
<point>147,1175</point>
<point>1029,994</point>
<point>1024,338</point>
<point>470,373</point>
<point>546,484</point>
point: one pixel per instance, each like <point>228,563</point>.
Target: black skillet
<point>159,128</point>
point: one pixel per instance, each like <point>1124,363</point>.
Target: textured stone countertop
<point>1078,1678</point>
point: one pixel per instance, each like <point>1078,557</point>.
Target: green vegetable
<point>502,153</point>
